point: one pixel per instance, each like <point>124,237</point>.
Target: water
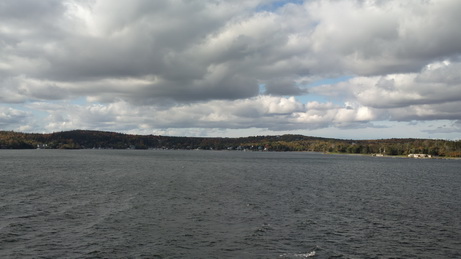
<point>213,204</point>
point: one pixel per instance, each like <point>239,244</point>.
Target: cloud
<point>385,37</point>
<point>436,84</point>
<point>10,116</point>
<point>200,64</point>
<point>283,86</point>
<point>204,50</point>
<point>432,94</point>
<point>255,112</point>
<point>450,127</point>
<point>445,111</point>
<point>266,112</point>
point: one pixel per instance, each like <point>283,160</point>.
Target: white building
<point>419,156</point>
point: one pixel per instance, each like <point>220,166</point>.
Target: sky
<point>351,69</point>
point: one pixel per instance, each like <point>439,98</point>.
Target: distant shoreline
<point>86,139</point>
<point>223,150</point>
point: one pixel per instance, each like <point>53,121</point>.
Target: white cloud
<point>438,83</point>
<point>12,118</point>
<point>269,112</point>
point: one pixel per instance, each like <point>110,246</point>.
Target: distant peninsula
<point>89,139</point>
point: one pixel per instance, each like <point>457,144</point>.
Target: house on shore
<point>42,146</point>
<point>419,156</point>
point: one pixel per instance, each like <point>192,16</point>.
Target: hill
<point>81,139</point>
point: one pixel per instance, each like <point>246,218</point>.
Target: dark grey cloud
<point>201,50</point>
<point>31,13</point>
<point>284,86</point>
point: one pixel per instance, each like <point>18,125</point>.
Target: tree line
<point>86,139</point>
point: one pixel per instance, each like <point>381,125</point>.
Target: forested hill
<point>80,139</point>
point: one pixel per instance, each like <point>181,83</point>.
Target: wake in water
<point>310,254</point>
<point>306,255</point>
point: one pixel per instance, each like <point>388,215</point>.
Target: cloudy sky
<point>358,69</point>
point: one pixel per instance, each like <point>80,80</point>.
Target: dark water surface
<point>211,204</point>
